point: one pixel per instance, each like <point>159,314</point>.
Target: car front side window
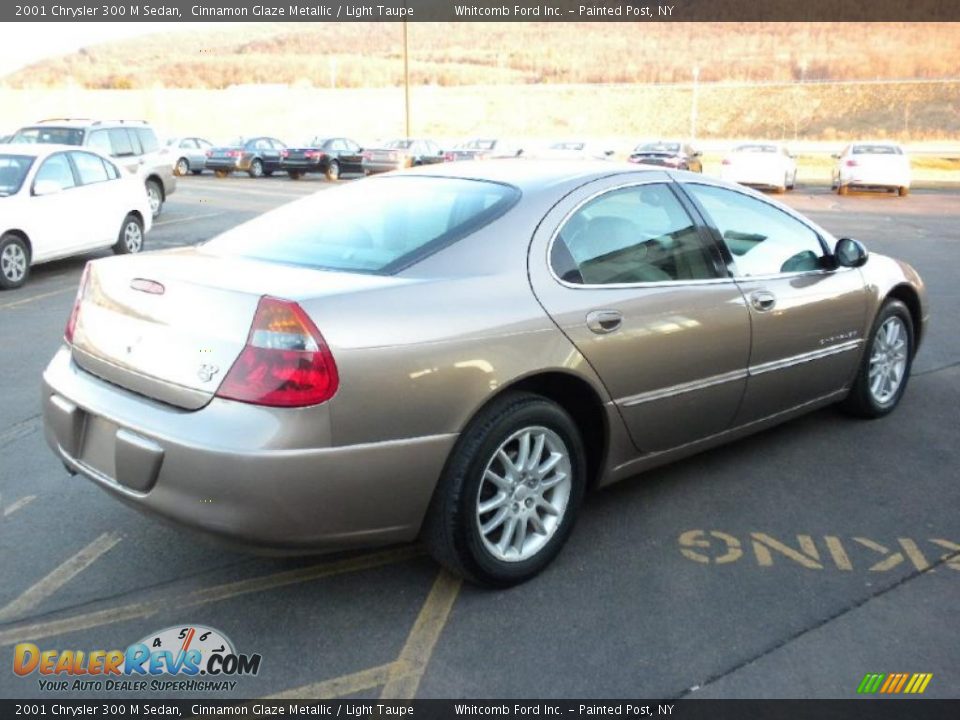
<point>56,169</point>
<point>90,168</point>
<point>762,239</point>
<point>637,234</point>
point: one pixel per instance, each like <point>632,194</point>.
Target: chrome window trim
<point>624,286</point>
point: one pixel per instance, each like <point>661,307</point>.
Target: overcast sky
<point>24,43</point>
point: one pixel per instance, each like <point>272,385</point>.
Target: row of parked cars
<point>119,174</point>
<point>768,165</point>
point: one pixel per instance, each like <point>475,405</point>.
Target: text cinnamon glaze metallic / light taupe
<point>463,353</point>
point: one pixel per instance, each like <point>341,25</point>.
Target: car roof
<point>37,149</point>
<point>87,122</point>
<point>530,174</point>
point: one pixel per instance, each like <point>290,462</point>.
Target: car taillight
<point>448,157</point>
<point>851,163</point>
<point>727,161</point>
<point>75,312</point>
<point>285,363</point>
<point>366,155</point>
<point>234,153</point>
<point>286,153</point>
<point>209,153</point>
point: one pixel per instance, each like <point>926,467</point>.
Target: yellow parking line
<point>85,621</point>
<point>60,576</point>
<point>19,504</point>
<point>41,296</point>
<point>340,686</point>
<point>407,671</point>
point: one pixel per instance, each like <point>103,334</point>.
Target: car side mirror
<point>46,187</point>
<point>850,253</point>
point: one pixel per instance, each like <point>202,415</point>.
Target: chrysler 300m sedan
<point>464,353</point>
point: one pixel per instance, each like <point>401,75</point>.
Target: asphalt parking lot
<point>789,564</point>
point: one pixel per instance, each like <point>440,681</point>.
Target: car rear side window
<point>90,168</point>
<point>379,225</point>
<point>148,139</point>
<point>637,234</point>
<point>763,239</point>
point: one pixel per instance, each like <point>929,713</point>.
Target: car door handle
<point>604,321</point>
<point>763,300</point>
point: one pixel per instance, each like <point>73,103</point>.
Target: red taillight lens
<point>286,153</point>
<point>209,153</point>
<point>285,363</point>
<point>727,161</point>
<point>75,312</point>
<point>234,153</point>
<point>448,157</point>
<point>367,155</point>
<point>851,163</point>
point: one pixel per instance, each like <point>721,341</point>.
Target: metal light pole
<point>406,81</point>
<point>693,103</point>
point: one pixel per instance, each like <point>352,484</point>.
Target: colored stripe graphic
<point>894,683</point>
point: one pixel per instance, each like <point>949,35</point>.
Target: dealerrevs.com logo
<point>200,658</point>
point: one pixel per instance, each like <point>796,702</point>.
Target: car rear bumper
<point>223,163</point>
<point>757,177</point>
<point>241,486</point>
<point>866,178</point>
<point>371,167</point>
<point>301,166</point>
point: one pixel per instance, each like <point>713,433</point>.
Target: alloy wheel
<point>524,494</point>
<point>888,360</point>
<point>13,263</point>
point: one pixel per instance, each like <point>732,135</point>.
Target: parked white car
<point>760,164</point>
<point>60,200</point>
<point>872,165</point>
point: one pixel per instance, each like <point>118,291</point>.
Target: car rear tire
<point>903,191</point>
<point>155,193</point>
<point>333,171</point>
<point>130,239</point>
<point>221,173</point>
<point>14,261</point>
<point>256,169</point>
<point>295,174</point>
<point>182,167</point>
<point>885,367</point>
<point>510,492</point>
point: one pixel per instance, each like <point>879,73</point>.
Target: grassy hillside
<point>448,54</point>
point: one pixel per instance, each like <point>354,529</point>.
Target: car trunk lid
<point>170,325</point>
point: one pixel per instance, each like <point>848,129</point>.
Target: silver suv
<point>132,143</point>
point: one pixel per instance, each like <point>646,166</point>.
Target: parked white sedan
<point>760,164</point>
<point>872,165</point>
<point>59,200</point>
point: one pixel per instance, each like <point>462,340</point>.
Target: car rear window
<point>13,169</point>
<point>379,225</point>
<point>876,150</point>
<point>49,135</point>
<point>755,148</point>
<point>658,147</point>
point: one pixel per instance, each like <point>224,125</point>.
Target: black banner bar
<point>482,11</point>
<point>859,709</point>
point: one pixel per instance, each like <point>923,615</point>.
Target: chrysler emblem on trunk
<point>206,372</point>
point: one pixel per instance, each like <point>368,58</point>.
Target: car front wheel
<point>510,493</point>
<point>14,261</point>
<point>256,169</point>
<point>885,367</point>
